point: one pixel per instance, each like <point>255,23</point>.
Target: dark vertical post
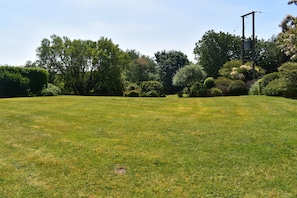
<point>243,38</point>
<point>253,47</point>
<point>253,42</point>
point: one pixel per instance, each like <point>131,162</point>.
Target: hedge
<point>19,81</point>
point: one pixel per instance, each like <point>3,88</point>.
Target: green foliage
<point>282,83</point>
<point>198,90</point>
<point>51,90</point>
<point>236,88</point>
<point>231,87</point>
<point>12,83</point>
<point>132,86</point>
<point>109,63</point>
<point>269,55</point>
<point>256,89</point>
<point>274,88</point>
<point>215,49</point>
<point>180,94</point>
<point>141,68</point>
<point>235,70</point>
<point>188,75</point>
<point>268,78</point>
<point>152,89</point>
<point>38,79</point>
<point>223,83</point>
<point>227,68</point>
<point>84,67</point>
<point>215,92</point>
<point>169,62</point>
<point>19,81</point>
<point>288,73</point>
<point>132,90</point>
<point>147,89</point>
<point>287,67</point>
<point>209,82</point>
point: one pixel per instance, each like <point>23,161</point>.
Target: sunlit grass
<point>72,146</point>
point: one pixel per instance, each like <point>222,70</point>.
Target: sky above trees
<point>145,25</point>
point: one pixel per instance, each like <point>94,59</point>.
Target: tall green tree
<point>169,62</point>
<point>83,66</point>
<point>214,49</point>
<point>108,63</point>
<point>67,59</point>
<point>269,55</point>
<point>141,68</point>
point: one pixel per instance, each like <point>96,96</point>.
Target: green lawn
<point>71,146</point>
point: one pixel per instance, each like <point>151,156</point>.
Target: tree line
<point>86,67</point>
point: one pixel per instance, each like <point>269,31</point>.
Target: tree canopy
<point>169,62</point>
<point>141,68</point>
<point>84,67</point>
<point>214,49</point>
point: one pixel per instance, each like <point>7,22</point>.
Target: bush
<point>13,84</point>
<point>227,68</point>
<point>223,83</point>
<point>289,66</point>
<point>38,79</point>
<point>152,89</point>
<point>180,94</point>
<point>282,83</point>
<point>215,92</point>
<point>131,87</point>
<point>290,80</point>
<point>51,90</point>
<point>236,88</point>
<point>198,90</point>
<point>19,81</point>
<point>255,88</point>
<point>152,93</point>
<point>288,73</point>
<point>235,70</point>
<point>209,82</point>
<point>274,88</point>
<point>132,90</point>
<point>268,78</point>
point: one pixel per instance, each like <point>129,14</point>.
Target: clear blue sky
<point>145,25</point>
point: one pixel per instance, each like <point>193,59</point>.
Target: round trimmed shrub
<point>209,82</point>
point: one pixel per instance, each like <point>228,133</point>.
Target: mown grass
<point>72,146</point>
